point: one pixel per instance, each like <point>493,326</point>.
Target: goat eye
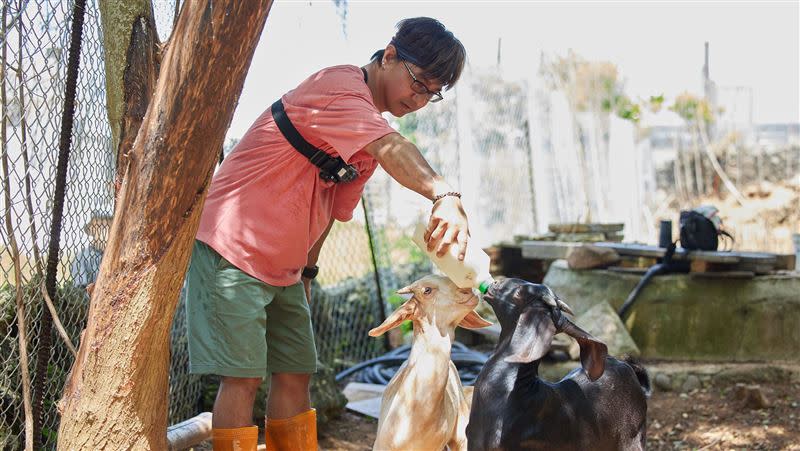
<point>427,290</point>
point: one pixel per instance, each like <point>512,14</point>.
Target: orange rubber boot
<point>298,433</point>
<point>238,439</point>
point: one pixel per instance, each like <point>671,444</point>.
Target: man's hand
<point>403,161</point>
<point>447,226</point>
<point>307,288</point>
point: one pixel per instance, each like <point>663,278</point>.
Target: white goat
<point>424,407</point>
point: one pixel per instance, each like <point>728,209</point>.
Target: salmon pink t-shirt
<point>267,205</point>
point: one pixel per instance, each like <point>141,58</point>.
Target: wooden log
<point>637,262</point>
<point>628,269</point>
<point>358,391</point>
<point>641,250</point>
<point>585,228</point>
<point>640,255</point>
<point>706,266</point>
<point>756,267</point>
<point>189,433</point>
<point>785,262</point>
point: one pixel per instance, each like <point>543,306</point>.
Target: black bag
<point>698,231</point>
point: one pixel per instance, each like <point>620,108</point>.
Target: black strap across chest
<point>333,169</point>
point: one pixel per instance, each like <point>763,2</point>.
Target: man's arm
<point>403,162</point>
<point>313,256</point>
<point>313,253</point>
<point>401,159</point>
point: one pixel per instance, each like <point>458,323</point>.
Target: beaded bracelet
<point>449,193</point>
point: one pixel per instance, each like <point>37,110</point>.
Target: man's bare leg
<point>233,407</point>
<point>288,395</point>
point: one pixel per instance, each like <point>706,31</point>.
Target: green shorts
<point>239,326</point>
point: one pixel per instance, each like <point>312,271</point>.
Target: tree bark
<point>116,395</point>
<point>699,178</point>
<point>677,174</point>
<point>705,142</point>
<point>132,62</point>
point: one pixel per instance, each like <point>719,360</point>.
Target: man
<point>269,210</point>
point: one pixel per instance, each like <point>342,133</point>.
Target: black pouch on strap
<point>332,169</point>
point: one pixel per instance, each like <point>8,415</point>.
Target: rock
<point>683,317</point>
<point>615,237</point>
<point>692,382</point>
<point>588,256</point>
<point>663,382</point>
<point>763,374</point>
<point>740,391</point>
<point>603,322</point>
<point>751,396</point>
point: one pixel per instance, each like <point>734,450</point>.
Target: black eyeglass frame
<point>420,88</point>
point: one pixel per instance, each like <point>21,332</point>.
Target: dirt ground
<point>704,419</point>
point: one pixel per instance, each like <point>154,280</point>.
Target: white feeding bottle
<point>472,272</point>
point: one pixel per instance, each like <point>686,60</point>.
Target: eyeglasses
<point>420,88</point>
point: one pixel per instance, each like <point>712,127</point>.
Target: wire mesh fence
<point>35,38</point>
<point>510,146</point>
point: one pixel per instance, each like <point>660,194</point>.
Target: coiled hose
<point>380,370</point>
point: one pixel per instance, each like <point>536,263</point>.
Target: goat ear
<point>532,337</point>
<point>473,321</point>
<point>593,351</point>
<point>404,312</point>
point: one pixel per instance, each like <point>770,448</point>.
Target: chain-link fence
<point>511,146</point>
<point>35,37</point>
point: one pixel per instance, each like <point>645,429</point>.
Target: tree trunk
<point>691,189</point>
<point>116,395</point>
<point>677,174</point>
<point>717,167</point>
<point>131,48</point>
<point>699,180</point>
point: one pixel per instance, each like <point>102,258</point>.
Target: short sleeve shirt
<point>267,205</point>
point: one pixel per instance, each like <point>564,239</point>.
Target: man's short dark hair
<point>426,43</point>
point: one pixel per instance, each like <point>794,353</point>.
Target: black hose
<point>667,266</point>
<point>660,268</point>
<point>380,370</point>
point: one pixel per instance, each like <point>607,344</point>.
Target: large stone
<point>662,382</point>
<point>685,317</point>
<point>691,383</point>
<point>588,256</point>
<point>751,396</point>
<point>603,322</point>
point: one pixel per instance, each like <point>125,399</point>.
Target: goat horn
<point>564,307</point>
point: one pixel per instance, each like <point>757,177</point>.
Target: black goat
<point>602,407</point>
